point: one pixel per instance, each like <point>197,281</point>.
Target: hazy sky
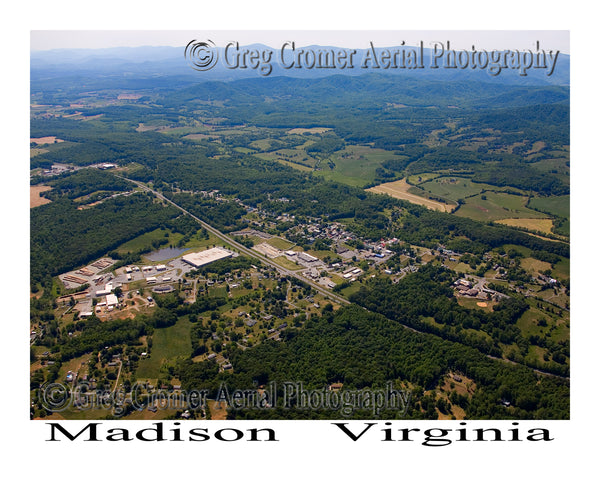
<point>481,39</point>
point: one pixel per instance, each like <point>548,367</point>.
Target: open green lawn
<point>167,344</point>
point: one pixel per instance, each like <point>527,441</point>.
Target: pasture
<point>497,206</point>
<point>452,188</point>
<point>167,345</point>
<point>355,165</point>
<point>559,205</point>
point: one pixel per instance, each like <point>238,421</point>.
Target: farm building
<point>199,259</point>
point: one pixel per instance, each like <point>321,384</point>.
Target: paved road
<point>242,248</point>
<point>285,271</point>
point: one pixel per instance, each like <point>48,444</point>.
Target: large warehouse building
<point>199,259</point>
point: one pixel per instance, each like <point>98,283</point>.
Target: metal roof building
<point>199,259</point>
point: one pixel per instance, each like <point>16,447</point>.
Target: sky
<point>460,39</point>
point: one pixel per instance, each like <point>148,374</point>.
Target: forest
<point>63,237</point>
<point>361,350</point>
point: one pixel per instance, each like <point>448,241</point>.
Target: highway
<point>247,251</point>
<point>285,271</point>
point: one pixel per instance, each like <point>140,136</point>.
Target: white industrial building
<point>111,300</point>
<point>306,257</point>
<point>199,259</point>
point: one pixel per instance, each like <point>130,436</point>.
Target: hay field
<point>35,200</point>
<point>399,189</point>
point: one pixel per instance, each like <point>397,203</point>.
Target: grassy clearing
<point>280,243</point>
<point>496,206</point>
<point>559,205</point>
<point>262,144</point>
<point>35,200</point>
<point>562,270</point>
<point>45,140</point>
<point>285,263</point>
<point>399,189</point>
<point>353,288</point>
<point>476,304</point>
<point>218,292</point>
<point>355,165</point>
<point>422,178</point>
<point>452,188</point>
<point>167,344</point>
<point>291,157</point>
<point>145,240</point>
<point>535,224</point>
<point>459,267</point>
<point>300,131</point>
<point>532,323</point>
<point>533,266</point>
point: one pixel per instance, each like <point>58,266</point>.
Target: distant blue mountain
<point>170,61</point>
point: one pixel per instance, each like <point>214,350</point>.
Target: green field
<point>294,158</point>
<point>452,188</point>
<point>218,292</point>
<point>496,206</point>
<point>285,263</point>
<point>280,243</point>
<point>556,329</point>
<point>355,165</point>
<point>559,206</point>
<point>167,345</point>
<point>421,178</point>
<point>145,240</point>
<point>562,270</point>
